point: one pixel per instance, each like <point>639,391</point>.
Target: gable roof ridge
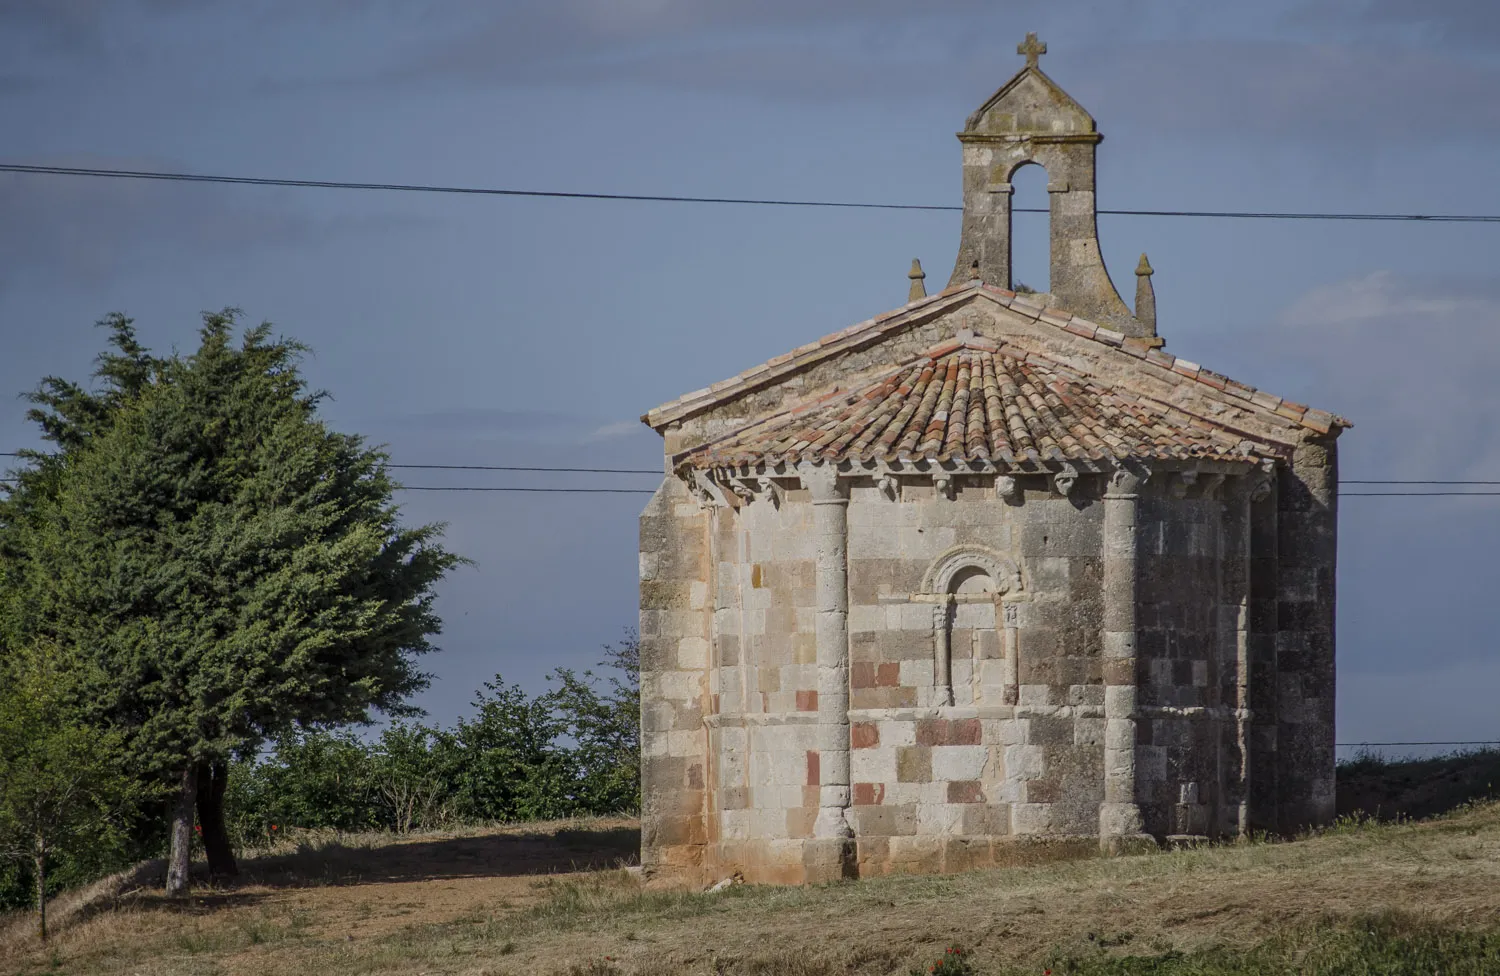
<point>1321,421</point>
<point>808,352</point>
<point>1073,374</point>
<point>1311,418</point>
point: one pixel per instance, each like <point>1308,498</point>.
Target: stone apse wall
<point>855,676</point>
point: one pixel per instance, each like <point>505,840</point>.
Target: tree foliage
<point>228,567</point>
<point>572,750</point>
<point>63,789</point>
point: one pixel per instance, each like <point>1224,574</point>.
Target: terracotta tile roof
<point>972,400</point>
<point>871,329</point>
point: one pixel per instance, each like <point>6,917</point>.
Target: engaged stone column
<point>1265,781</point>
<point>831,853</point>
<point>942,618</point>
<point>1234,636</point>
<point>1120,822</point>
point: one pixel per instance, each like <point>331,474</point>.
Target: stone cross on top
<point>1032,49</point>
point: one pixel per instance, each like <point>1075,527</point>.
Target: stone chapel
<point>987,577</point>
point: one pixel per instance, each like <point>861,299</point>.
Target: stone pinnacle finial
<point>1032,49</point>
<point>1145,297</point>
<point>918,277</point>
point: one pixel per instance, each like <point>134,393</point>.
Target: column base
<point>1120,820</point>
<point>830,859</point>
<point>1120,845</point>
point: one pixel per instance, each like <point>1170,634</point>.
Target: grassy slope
<point>1280,900</point>
<point>1363,898</point>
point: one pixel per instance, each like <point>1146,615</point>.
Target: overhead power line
<point>506,467</point>
<point>134,174</point>
<point>658,471</point>
<point>1471,742</point>
<point>550,469</point>
<point>653,471</point>
<point>1418,494</point>
<point>585,491</point>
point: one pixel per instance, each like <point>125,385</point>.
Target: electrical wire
<point>585,491</point>
<point>658,471</point>
<point>134,174</point>
<point>1470,742</point>
<point>1418,494</point>
<point>505,467</point>
<point>653,471</point>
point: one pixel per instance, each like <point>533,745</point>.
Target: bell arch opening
<point>1030,232</point>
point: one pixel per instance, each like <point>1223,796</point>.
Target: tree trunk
<point>39,857</point>
<point>180,858</point>
<point>213,780</point>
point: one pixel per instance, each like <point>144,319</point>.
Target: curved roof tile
<point>973,404</point>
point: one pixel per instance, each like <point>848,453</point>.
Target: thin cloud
<point>484,420</point>
<point>614,431</point>
<point>1412,362</point>
<point>1383,297</point>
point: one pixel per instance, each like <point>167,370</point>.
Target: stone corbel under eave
<point>708,492</point>
<point>739,485</point>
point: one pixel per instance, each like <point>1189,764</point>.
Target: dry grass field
<point>555,898</point>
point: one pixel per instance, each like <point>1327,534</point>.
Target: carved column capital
<point>822,482</point>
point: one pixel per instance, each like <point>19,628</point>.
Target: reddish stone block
<point>965,791</point>
<point>862,674</point>
<point>942,732</point>
<point>932,732</point>
<point>814,768</point>
<point>695,776</point>
<point>869,794</point>
<point>807,701</point>
<point>864,735</point>
<point>888,675</point>
<point>964,732</point>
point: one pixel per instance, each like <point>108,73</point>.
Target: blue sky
<point>509,331</point>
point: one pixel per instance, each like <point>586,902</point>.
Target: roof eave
<point>788,363</point>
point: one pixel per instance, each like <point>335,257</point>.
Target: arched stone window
<point>973,626</point>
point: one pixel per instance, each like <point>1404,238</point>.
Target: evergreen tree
<point>230,568</point>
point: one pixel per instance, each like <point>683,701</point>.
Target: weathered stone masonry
<point>980,580</point>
